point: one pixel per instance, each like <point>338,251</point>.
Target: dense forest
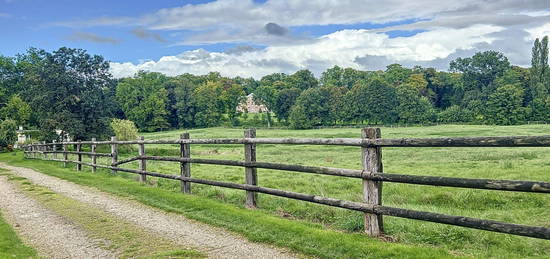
<point>71,90</point>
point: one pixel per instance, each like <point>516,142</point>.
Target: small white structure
<point>23,136</point>
<point>250,106</point>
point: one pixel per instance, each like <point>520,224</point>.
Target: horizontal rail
<point>487,184</point>
<point>489,225</point>
<point>76,153</point>
<point>512,141</point>
<point>126,161</point>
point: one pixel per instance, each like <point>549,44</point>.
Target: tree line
<point>71,90</point>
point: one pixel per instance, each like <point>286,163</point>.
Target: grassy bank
<point>256,225</point>
<point>497,163</point>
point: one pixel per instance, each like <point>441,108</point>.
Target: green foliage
<point>504,106</point>
<point>454,114</point>
<point>17,109</point>
<point>143,100</point>
<point>124,129</point>
<point>412,107</point>
<point>208,105</point>
<point>67,88</point>
<point>374,101</point>
<point>8,134</point>
<point>312,108</point>
<point>11,245</point>
<point>231,96</point>
<point>285,100</point>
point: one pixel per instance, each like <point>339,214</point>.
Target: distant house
<point>23,135</point>
<point>250,106</point>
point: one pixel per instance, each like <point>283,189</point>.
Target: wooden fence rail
<point>372,174</point>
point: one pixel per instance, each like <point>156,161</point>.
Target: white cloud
<point>539,31</point>
<point>340,48</point>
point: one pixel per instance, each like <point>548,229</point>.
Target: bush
<point>8,134</point>
<point>454,114</point>
<point>124,130</point>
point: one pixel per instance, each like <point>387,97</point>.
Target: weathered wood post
<point>94,157</point>
<point>44,149</point>
<point>185,167</point>
<point>372,190</point>
<point>65,155</point>
<point>114,153</point>
<point>54,149</point>
<point>79,156</point>
<point>142,162</point>
<point>251,176</point>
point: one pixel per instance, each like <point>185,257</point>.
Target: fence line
<point>372,174</point>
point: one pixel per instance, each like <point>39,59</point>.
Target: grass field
<point>497,163</point>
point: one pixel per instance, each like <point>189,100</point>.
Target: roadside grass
<point>257,225</point>
<point>496,163</point>
<point>11,245</point>
<point>110,232</point>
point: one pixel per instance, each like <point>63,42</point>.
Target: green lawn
<point>497,163</point>
<point>10,245</point>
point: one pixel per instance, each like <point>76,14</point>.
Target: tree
<point>67,88</point>
<point>285,100</point>
<point>17,109</point>
<point>143,99</point>
<point>231,96</point>
<point>267,95</point>
<point>481,70</point>
<point>412,107</point>
<point>209,107</point>
<point>8,134</point>
<point>124,130</point>
<point>396,74</point>
<point>312,108</point>
<point>374,101</point>
<point>454,113</point>
<point>302,79</point>
<point>180,93</point>
<point>340,77</point>
<point>478,74</point>
<point>504,106</point>
<point>539,86</point>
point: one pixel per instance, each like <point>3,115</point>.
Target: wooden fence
<point>372,174</point>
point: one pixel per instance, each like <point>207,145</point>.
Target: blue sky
<point>254,38</point>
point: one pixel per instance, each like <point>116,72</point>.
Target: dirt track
<point>215,242</point>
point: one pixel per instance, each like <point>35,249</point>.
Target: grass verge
<point>112,233</point>
<point>256,225</point>
<point>10,244</point>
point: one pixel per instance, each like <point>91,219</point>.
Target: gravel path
<point>215,242</point>
<point>51,235</point>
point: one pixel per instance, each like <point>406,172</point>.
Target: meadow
<point>495,163</point>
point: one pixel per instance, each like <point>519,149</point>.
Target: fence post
<point>44,149</point>
<point>372,190</point>
<point>185,168</point>
<point>94,158</point>
<point>142,162</point>
<point>79,156</point>
<point>114,153</point>
<point>54,149</point>
<point>65,155</point>
<point>250,172</point>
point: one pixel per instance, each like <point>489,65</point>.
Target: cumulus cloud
<point>91,37</point>
<point>347,48</point>
<point>447,29</point>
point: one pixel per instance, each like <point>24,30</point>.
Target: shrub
<point>8,134</point>
<point>124,130</point>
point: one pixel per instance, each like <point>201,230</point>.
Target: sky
<point>254,38</point>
